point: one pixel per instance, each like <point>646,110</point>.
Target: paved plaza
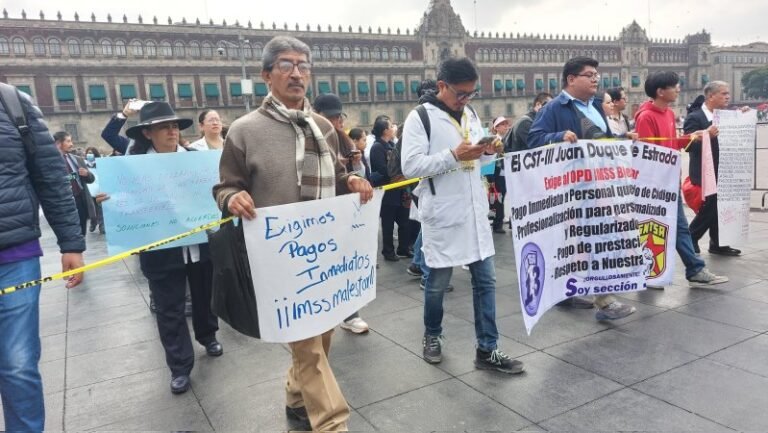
<point>687,360</point>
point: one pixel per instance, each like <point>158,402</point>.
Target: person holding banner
<point>656,119</point>
<point>284,153</point>
<point>717,95</point>
<point>576,114</point>
<point>169,270</point>
<point>453,208</point>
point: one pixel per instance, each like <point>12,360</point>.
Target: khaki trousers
<point>311,384</point>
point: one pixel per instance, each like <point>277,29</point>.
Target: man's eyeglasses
<point>592,76</point>
<point>463,96</point>
<point>286,67</point>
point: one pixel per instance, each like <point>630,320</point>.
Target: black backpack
<point>11,100</point>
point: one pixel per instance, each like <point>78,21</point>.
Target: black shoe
<point>414,270</point>
<point>696,248</point>
<point>724,251</point>
<point>499,230</point>
<point>92,228</point>
<point>576,302</point>
<point>405,255</point>
<point>101,229</point>
<point>214,348</point>
<point>299,417</point>
<point>497,360</point>
<point>433,348</point>
<point>180,384</point>
<point>152,306</point>
<point>391,258</point>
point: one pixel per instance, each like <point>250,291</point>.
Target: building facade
<point>80,71</point>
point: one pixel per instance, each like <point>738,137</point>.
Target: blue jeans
<point>483,298</point>
<point>418,260</point>
<point>684,243</point>
<point>21,387</point>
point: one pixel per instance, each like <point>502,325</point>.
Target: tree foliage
<point>755,83</point>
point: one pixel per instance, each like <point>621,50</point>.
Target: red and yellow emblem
<point>653,238</point>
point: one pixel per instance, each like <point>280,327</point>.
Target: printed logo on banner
<point>533,268</point>
<point>653,239</point>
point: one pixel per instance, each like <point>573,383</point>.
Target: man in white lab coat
<point>453,208</point>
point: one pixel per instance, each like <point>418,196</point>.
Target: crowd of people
<point>290,150</point>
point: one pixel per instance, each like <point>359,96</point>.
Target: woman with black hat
<point>169,270</point>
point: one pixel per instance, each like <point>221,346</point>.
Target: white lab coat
<point>454,221</point>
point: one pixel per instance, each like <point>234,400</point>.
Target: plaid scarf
<point>315,166</point>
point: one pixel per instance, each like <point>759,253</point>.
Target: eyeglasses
<point>286,67</point>
<point>463,96</point>
<point>592,76</point>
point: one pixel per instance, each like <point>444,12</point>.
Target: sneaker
<point>614,311</point>
<point>720,251</point>
<point>447,289</point>
<point>433,348</point>
<point>355,325</point>
<point>706,278</point>
<point>497,360</point>
<point>414,270</point>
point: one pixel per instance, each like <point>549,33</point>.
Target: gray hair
<point>713,87</point>
<point>281,44</point>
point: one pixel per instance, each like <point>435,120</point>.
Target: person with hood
<point>573,115</point>
<point>453,209</point>
<point>655,119</point>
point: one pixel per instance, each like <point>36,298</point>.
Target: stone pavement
<point>689,359</point>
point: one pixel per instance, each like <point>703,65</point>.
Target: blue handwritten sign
<point>313,264</point>
<point>156,196</point>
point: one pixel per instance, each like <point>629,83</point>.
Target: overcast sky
<point>731,22</point>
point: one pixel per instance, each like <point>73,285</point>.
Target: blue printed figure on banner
<point>157,196</point>
<point>533,269</point>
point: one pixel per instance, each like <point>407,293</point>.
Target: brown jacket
<point>260,157</point>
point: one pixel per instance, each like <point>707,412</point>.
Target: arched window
<point>106,47</point>
<point>137,50</point>
<point>478,55</point>
<point>178,49</point>
<point>247,51</point>
<point>207,49</point>
<point>345,53</point>
<point>356,53</point>
<point>316,53</point>
<point>514,55</point>
<point>257,51</point>
<point>326,53</point>
<point>194,49</point>
<point>165,49</point>
<point>88,48</point>
<point>384,54</point>
<point>38,46</point>
<point>120,50</point>
<point>507,56</point>
<point>395,54</point>
<point>486,55</point>
<point>19,49</point>
<point>54,47</point>
<point>494,56</point>
<point>405,54</point>
<point>336,52</point>
<point>5,49</point>
<point>376,53</point>
<point>151,49</point>
<point>366,53</point>
<point>73,46</point>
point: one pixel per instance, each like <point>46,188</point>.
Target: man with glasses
<point>259,168</point>
<point>453,208</point>
<point>617,121</point>
<point>576,114</point>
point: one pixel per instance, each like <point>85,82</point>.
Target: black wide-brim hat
<point>153,113</point>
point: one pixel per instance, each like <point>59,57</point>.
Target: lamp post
<point>246,86</point>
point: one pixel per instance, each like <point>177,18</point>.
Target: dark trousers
<point>169,293</point>
<point>498,206</point>
<point>82,211</point>
<point>705,220</point>
<point>389,215</point>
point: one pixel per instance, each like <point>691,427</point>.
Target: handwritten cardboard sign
<point>313,264</point>
<point>156,196</point>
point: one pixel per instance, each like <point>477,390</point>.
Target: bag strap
<point>11,100</point>
<point>424,116</point>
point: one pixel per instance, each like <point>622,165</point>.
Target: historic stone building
<point>81,70</point>
<point>731,63</point>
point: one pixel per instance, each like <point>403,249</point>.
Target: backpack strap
<point>424,116</point>
<point>11,101</point>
